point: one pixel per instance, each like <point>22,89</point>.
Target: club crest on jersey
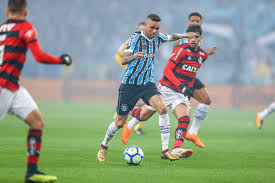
<point>124,107</point>
<point>189,68</point>
<point>144,46</point>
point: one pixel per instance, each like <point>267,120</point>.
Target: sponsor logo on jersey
<point>149,55</point>
<point>189,68</point>
<point>29,33</point>
<point>6,27</point>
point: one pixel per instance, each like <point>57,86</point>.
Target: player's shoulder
<point>202,51</point>
<point>183,47</point>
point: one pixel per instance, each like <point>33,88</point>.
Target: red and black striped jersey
<point>16,36</point>
<point>182,67</point>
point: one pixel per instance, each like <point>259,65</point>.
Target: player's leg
<point>201,95</point>
<point>24,106</point>
<point>181,112</point>
<point>128,97</point>
<point>158,104</point>
<point>263,114</point>
<point>139,114</point>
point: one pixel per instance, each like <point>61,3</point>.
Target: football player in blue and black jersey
<point>138,82</point>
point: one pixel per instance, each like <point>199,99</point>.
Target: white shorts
<point>173,98</point>
<point>19,103</point>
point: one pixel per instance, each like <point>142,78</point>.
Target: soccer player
<point>198,92</point>
<point>179,76</point>
<point>263,114</point>
<point>17,35</point>
<point>138,82</point>
<point>137,128</point>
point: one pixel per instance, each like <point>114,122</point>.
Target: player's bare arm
<point>211,50</point>
<point>127,57</point>
<point>174,37</point>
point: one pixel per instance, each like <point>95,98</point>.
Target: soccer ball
<point>133,155</point>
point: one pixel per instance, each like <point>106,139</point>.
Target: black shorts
<point>197,85</point>
<point>129,94</point>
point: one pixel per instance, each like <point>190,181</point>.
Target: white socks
<point>267,111</point>
<point>199,116</point>
<point>111,131</point>
<point>132,123</point>
<point>164,124</point>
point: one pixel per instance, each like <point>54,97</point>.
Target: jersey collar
<point>146,37</point>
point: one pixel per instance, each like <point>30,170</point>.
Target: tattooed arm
<point>127,57</point>
<point>174,37</point>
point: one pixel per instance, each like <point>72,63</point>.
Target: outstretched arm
<point>211,50</point>
<point>174,37</point>
<point>46,58</point>
<point>41,56</point>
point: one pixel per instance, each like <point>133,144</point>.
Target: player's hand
<point>211,50</point>
<point>138,55</point>
<point>66,59</point>
<point>190,35</point>
<point>185,90</point>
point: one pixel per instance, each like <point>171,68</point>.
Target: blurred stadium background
<point>241,74</point>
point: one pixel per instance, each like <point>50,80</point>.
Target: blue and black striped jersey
<point>140,72</point>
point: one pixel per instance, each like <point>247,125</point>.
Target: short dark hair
<point>197,14</point>
<point>194,28</point>
<point>154,17</point>
<point>17,6</point>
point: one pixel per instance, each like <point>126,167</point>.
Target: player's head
<point>17,8</point>
<point>141,26</point>
<point>195,40</point>
<point>152,25</point>
<point>195,18</point>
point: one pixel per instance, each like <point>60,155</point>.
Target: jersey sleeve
<point>176,57</point>
<point>163,37</point>
<point>29,35</point>
<point>131,43</point>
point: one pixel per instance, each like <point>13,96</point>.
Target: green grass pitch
<point>236,151</point>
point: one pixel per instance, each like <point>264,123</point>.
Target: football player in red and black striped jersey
<point>17,35</point>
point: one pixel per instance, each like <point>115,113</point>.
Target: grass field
<point>236,151</point>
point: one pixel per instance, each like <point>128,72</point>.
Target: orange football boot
<point>195,139</point>
<point>259,121</point>
<point>126,132</point>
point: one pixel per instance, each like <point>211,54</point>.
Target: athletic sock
<point>136,113</point>
<point>34,147</point>
<point>267,111</point>
<point>199,116</point>
<point>181,130</point>
<point>132,123</point>
<point>164,124</point>
<point>111,131</point>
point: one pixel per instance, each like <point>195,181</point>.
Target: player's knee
<point>163,110</point>
<point>120,123</point>
<point>37,124</point>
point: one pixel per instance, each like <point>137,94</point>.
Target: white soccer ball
<point>133,155</point>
